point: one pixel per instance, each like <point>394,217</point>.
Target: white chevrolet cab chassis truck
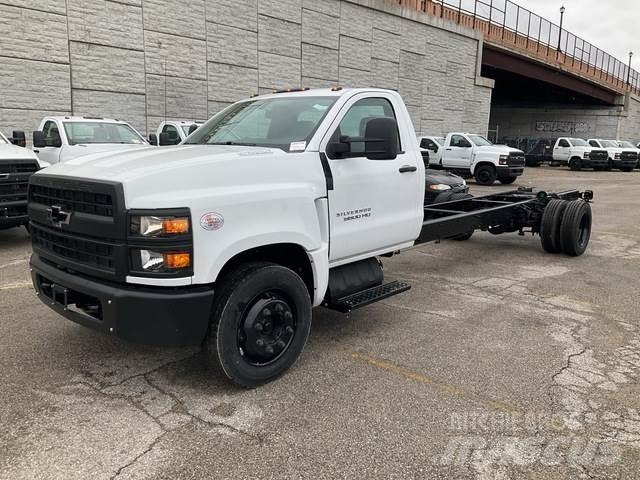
<point>625,159</point>
<point>472,155</point>
<point>278,204</point>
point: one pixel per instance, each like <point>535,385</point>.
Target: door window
<point>593,143</point>
<point>354,123</point>
<point>172,132</point>
<point>563,143</point>
<point>51,133</point>
<point>459,141</point>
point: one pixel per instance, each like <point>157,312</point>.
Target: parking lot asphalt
<point>502,361</point>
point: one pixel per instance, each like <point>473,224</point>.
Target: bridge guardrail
<point>505,23</point>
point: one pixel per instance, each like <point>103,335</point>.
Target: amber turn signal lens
<point>175,225</point>
<point>177,260</point>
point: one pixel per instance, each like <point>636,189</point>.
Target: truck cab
<point>277,204</point>
<point>472,155</point>
<point>625,159</point>
<point>175,132</point>
<point>17,164</point>
<point>60,139</point>
<point>578,154</point>
<point>431,149</point>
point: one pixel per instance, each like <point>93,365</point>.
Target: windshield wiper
<point>232,143</point>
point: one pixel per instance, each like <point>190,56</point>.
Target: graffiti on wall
<point>564,127</point>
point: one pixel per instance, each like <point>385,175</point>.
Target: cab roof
<point>318,92</point>
<point>72,118</point>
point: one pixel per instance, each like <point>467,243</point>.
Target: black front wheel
<point>485,175</point>
<point>260,323</point>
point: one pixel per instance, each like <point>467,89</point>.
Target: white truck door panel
<point>455,155</point>
<point>51,131</point>
<point>561,150</point>
<point>373,203</point>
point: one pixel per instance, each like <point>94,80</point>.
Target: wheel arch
<point>290,255</point>
<point>482,163</point>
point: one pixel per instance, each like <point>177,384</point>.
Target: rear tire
<point>485,175</point>
<point>550,226</point>
<point>575,228</point>
<point>260,323</point>
<point>575,164</point>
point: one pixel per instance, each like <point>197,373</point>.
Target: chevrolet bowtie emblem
<point>58,216</point>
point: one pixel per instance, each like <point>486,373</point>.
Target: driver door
<point>374,204</point>
<point>52,137</point>
<point>458,152</point>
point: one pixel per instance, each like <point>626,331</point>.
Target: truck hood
<point>83,149</point>
<point>13,152</point>
<point>186,170</point>
<point>499,150</point>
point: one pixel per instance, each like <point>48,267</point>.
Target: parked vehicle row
<point>472,155</point>
<point>576,153</point>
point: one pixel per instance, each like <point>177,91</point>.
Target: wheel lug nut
<point>280,344</point>
<point>260,342</point>
<point>266,312</point>
<point>279,308</point>
<point>259,327</point>
<point>269,349</point>
<point>289,329</point>
<point>288,315</point>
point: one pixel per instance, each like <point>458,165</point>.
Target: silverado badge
<point>58,216</point>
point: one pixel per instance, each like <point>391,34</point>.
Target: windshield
<point>578,142</point>
<point>286,123</point>
<point>185,128</point>
<point>625,144</point>
<point>480,141</point>
<point>100,132</point>
<point>3,139</point>
<point>608,144</point>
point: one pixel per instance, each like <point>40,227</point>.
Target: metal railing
<point>508,24</point>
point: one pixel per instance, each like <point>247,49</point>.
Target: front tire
<point>485,175</point>
<point>260,323</point>
<point>575,164</point>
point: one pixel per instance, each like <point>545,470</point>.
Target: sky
<point>611,25</point>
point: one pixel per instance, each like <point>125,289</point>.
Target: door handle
<point>407,168</point>
<point>448,149</point>
<point>36,151</point>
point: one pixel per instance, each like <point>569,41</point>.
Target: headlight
<point>439,187</point>
<point>160,226</point>
<point>164,262</point>
<point>504,160</point>
<point>586,155</point>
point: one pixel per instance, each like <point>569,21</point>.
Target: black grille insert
<point>516,160</point>
<point>13,192</point>
<point>73,200</point>
<point>86,251</point>
<point>18,167</point>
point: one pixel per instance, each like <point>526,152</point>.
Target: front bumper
<point>595,162</point>
<point>625,163</point>
<point>506,171</point>
<point>149,315</point>
<point>13,214</point>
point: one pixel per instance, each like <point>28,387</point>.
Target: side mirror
<point>19,138</point>
<point>339,149</point>
<point>39,140</point>
<point>381,139</point>
<point>153,139</point>
<point>192,129</point>
<point>435,148</point>
<point>165,140</point>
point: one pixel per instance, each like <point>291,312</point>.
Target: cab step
<point>368,296</point>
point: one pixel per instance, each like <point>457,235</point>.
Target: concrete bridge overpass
<point>548,80</point>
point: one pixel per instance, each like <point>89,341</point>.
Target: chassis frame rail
<point>497,213</point>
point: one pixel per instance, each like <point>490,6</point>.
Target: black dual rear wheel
<point>260,323</point>
<point>566,227</point>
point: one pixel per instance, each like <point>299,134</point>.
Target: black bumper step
<point>368,296</point>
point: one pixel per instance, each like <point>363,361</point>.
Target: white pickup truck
<point>578,154</point>
<point>471,155</point>
<point>631,147</point>
<point>59,139</point>
<point>625,159</point>
<point>277,204</point>
<point>16,166</point>
<point>173,132</point>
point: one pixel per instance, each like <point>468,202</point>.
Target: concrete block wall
<point>144,60</point>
